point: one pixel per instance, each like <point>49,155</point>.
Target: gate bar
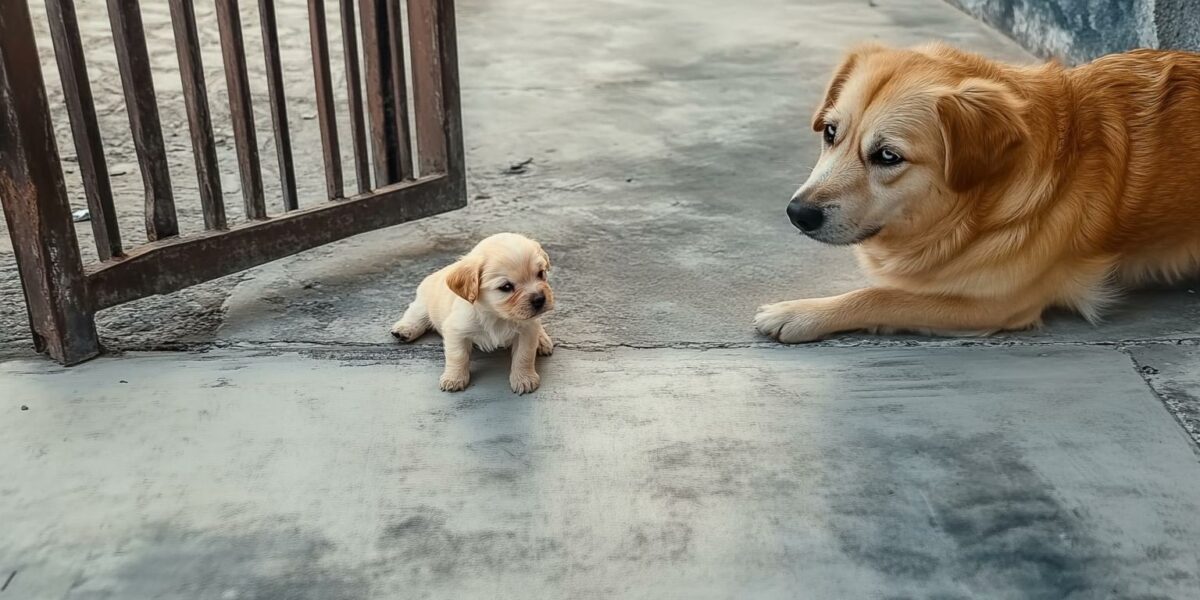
<point>428,65</point>
<point>77,90</point>
<point>241,107</point>
<point>362,165</point>
<point>138,84</point>
<point>195,95</point>
<point>279,118</point>
<point>322,80</point>
<point>451,101</point>
<point>403,159</point>
<point>35,200</point>
<point>373,19</point>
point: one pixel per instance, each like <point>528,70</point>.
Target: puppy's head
<point>506,274</point>
<point>905,135</point>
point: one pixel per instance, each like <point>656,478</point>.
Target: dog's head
<point>906,134</point>
<point>506,274</point>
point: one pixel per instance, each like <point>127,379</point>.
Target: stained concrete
<point>261,436</point>
<point>1081,30</point>
<point>1036,473</point>
<point>1173,372</point>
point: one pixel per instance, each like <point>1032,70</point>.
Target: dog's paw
<point>523,383</point>
<point>455,382</point>
<point>545,345</point>
<point>792,322</point>
<point>404,332</point>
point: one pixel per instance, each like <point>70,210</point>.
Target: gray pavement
<point>262,437</point>
<point>817,473</point>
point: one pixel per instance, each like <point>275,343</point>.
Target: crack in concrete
<point>425,348</point>
<point>1145,371</point>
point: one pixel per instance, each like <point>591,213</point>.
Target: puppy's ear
<point>981,127</point>
<point>545,257</point>
<point>840,76</point>
<point>464,278</point>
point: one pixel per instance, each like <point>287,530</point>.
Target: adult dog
<point>978,194</point>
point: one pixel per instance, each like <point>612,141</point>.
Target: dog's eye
<point>507,287</point>
<point>886,157</point>
<point>830,133</point>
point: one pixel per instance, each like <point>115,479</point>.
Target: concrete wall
<point>1080,30</point>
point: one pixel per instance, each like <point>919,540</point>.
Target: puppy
<point>978,194</point>
<point>491,298</point>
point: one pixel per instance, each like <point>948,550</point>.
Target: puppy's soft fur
<point>491,298</point>
<point>979,194</point>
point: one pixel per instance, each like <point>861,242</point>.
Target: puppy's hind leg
<point>413,324</point>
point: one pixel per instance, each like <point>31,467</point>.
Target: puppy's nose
<point>805,216</point>
<point>538,301</point>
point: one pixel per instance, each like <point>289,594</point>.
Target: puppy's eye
<point>506,288</point>
<point>542,274</point>
<point>886,157</point>
<point>830,133</point>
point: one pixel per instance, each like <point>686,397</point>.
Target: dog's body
<point>491,298</point>
<point>981,194</point>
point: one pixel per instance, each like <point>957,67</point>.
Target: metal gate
<point>417,166</point>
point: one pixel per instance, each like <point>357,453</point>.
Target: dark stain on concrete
<point>962,509</point>
<point>689,471</point>
<point>501,476</point>
<point>1182,401</point>
<point>505,458</point>
<point>424,546</point>
<point>169,563</point>
<point>650,543</point>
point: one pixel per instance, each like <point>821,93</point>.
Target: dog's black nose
<point>538,301</point>
<point>804,216</point>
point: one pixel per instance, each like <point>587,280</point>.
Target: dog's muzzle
<point>805,216</point>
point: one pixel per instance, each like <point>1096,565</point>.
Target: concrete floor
<point>261,436</point>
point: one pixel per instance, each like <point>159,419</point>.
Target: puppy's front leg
<point>458,363</point>
<point>545,344</point>
<point>890,309</point>
<point>524,378</point>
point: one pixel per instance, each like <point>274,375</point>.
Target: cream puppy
<point>491,298</point>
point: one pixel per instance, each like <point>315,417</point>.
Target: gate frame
<point>62,294</point>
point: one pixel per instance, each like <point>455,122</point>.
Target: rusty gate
<point>417,166</point>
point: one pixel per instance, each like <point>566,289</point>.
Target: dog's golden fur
<point>1020,188</point>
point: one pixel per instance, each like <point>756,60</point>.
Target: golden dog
<point>979,194</point>
<point>491,298</point>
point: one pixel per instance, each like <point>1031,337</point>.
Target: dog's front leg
<point>524,378</point>
<point>890,310</point>
<point>458,363</point>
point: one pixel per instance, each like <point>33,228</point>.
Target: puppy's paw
<point>792,322</point>
<point>523,383</point>
<point>405,332</point>
<point>455,382</point>
<point>545,345</point>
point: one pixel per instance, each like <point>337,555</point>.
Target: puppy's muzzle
<point>537,302</point>
<point>807,217</point>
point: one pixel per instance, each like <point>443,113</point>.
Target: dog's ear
<point>545,257</point>
<point>981,127</point>
<point>464,277</point>
<point>840,76</point>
